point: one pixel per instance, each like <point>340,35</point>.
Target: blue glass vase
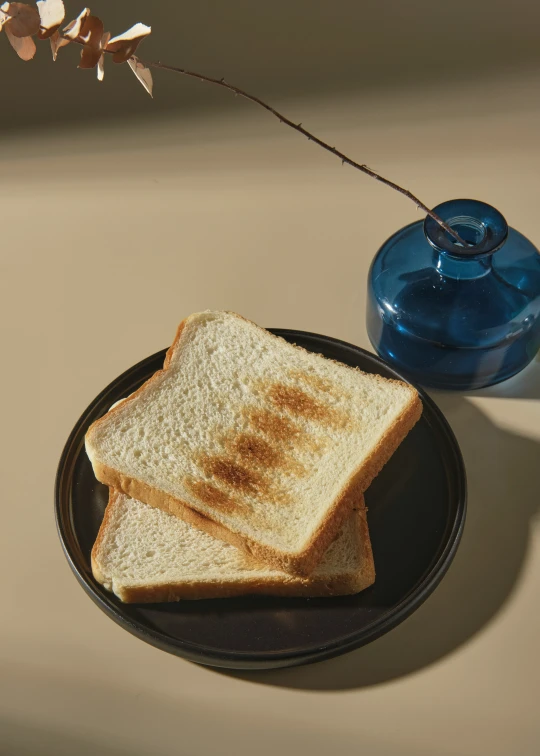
<point>455,317</point>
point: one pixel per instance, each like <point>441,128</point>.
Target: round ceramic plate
<point>416,517</point>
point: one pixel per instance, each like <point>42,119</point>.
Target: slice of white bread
<point>144,555</point>
<point>254,440</point>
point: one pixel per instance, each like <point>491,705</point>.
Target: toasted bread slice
<point>256,441</point>
<point>144,555</point>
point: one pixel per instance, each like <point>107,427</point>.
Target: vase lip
<point>478,223</point>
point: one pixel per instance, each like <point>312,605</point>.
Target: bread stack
<point>240,469</point>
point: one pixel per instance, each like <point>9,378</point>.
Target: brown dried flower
<point>57,41</point>
<point>73,29</point>
<point>90,35</point>
<point>101,62</point>
<point>51,14</point>
<point>20,22</point>
<point>124,45</point>
<point>143,73</point>
<point>23,20</point>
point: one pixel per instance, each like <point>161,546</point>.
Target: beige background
<point>116,228</point>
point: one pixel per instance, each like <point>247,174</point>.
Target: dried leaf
<point>73,29</point>
<point>23,19</point>
<point>92,34</point>
<point>51,14</point>
<point>124,45</point>
<point>57,41</point>
<point>25,47</point>
<point>91,31</point>
<point>143,74</point>
<point>101,62</point>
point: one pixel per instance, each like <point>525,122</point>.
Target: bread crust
<point>103,528</point>
<point>339,585</point>
<point>301,563</point>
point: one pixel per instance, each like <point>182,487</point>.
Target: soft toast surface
<point>256,441</point>
<point>145,555</point>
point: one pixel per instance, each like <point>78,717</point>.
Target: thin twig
<point>301,130</point>
<point>311,137</point>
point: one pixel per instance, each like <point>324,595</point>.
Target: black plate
<point>416,517</point>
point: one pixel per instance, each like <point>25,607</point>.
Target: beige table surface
<point>109,238</point>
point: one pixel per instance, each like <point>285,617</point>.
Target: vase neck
<point>482,228</point>
<point>462,268</point>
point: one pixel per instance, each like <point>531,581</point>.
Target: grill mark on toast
<point>228,471</point>
<point>257,451</point>
<point>245,468</point>
<point>314,381</point>
<point>273,425</point>
<point>209,494</point>
<point>282,430</point>
<point>233,484</point>
<point>297,402</point>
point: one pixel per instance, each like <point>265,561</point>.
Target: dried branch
<point>22,22</point>
<point>311,137</point>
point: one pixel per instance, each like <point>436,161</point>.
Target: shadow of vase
<point>504,494</point>
<point>524,385</point>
